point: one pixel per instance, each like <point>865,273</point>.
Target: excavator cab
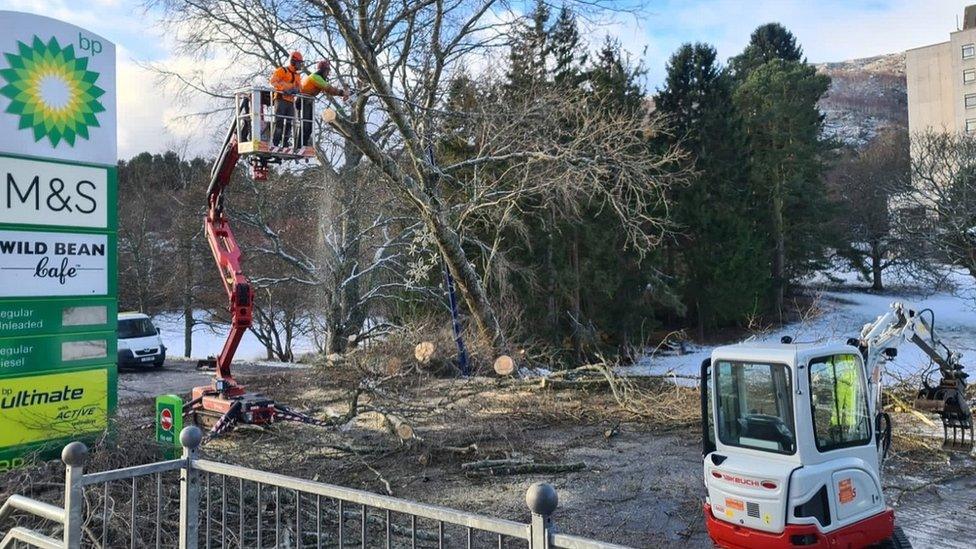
<point>267,138</point>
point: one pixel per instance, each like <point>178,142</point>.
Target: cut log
<point>492,463</point>
<point>538,468</point>
<point>400,428</point>
<point>504,365</point>
<point>519,467</point>
<point>579,384</point>
<point>424,352</point>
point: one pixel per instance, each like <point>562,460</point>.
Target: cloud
<point>152,116</point>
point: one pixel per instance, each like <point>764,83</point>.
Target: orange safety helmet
<point>296,57</point>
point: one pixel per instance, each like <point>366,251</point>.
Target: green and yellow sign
<point>64,405</point>
<point>31,66</point>
<point>58,222</point>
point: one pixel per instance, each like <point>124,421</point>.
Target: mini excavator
<point>795,436</point>
<point>224,402</point>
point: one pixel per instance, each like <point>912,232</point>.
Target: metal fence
<point>195,503</point>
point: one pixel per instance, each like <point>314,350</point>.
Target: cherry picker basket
<point>269,136</point>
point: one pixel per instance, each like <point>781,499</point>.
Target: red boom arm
<point>227,255</point>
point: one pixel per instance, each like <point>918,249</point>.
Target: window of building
<point>969,76</point>
<point>838,396</point>
<point>971,125</point>
<point>970,100</point>
<point>969,51</point>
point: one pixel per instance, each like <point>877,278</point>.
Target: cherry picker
<point>225,402</point>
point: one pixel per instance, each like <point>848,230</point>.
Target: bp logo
<point>52,91</point>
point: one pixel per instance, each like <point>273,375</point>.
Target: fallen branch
<point>519,467</point>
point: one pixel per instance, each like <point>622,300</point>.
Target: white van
<point>139,342</point>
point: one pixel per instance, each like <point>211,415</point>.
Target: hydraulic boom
<point>225,402</point>
<point>879,342</point>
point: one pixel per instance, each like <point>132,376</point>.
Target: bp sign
<point>58,306</point>
<point>58,90</point>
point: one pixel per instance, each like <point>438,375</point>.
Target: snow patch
<point>846,309</point>
<point>209,341</point>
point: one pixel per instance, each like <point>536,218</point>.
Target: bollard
<point>190,438</point>
<point>74,456</point>
<point>542,500</point>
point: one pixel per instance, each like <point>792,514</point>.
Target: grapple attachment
<point>948,400</point>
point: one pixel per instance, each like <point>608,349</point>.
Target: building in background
<point>942,82</point>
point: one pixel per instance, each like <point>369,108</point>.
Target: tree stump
<point>504,365</point>
<point>424,352</point>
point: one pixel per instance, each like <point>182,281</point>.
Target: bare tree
<point>938,212</point>
<point>400,55</point>
<point>865,184</point>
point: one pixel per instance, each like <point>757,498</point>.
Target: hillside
<point>865,96</point>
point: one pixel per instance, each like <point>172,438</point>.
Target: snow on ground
<point>846,307</point>
<point>208,341</point>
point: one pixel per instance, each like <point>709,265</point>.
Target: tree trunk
<point>576,306</point>
<point>877,284</point>
<point>188,276</point>
<point>467,280</point>
<point>446,238</point>
<point>352,313</point>
<point>552,313</point>
<point>779,252</point>
<point>188,331</point>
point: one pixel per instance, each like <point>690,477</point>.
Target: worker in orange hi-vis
<point>286,81</point>
<point>312,85</point>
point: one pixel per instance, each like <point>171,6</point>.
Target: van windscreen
<point>136,327</point>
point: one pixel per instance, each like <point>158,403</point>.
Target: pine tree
<point>527,56</point>
<point>613,81</point>
<point>778,100</point>
<point>722,271</point>
<point>567,50</point>
<point>768,42</point>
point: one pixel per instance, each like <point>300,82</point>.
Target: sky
<point>828,30</point>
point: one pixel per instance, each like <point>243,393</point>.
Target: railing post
<point>542,501</point>
<point>74,456</point>
<point>257,130</point>
<point>190,438</point>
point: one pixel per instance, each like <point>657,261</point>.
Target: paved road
<point>176,377</point>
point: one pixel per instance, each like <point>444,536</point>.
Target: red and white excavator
<point>795,435</point>
<point>225,402</point>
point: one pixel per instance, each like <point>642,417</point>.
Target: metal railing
<point>258,119</point>
<point>221,505</point>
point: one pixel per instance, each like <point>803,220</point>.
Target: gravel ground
<point>642,486</point>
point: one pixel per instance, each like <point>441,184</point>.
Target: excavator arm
<point>879,342</point>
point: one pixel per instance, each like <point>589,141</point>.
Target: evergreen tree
<point>778,101</point>
<point>527,56</point>
<point>613,81</point>
<point>721,262</point>
<point>768,42</point>
<point>567,50</point>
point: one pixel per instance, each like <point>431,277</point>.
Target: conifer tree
<point>567,50</point>
<point>778,101</point>
<point>722,267</point>
<point>768,42</point>
<point>527,56</point>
